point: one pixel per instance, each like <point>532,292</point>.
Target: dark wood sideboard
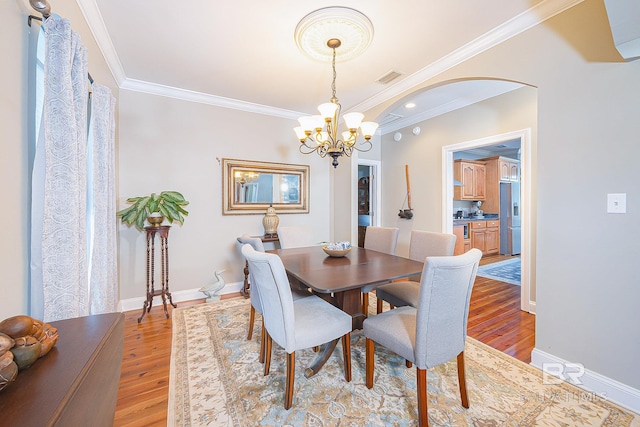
<point>76,384</point>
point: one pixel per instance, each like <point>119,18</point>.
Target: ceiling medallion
<point>351,27</point>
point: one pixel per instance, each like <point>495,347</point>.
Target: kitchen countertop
<point>473,218</point>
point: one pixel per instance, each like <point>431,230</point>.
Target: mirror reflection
<point>250,187</point>
<point>254,187</point>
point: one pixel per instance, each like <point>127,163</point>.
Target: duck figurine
<point>211,290</point>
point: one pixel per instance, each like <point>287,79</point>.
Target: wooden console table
<point>76,383</point>
<point>246,291</point>
<point>163,232</point>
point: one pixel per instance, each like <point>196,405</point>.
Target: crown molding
<point>92,15</point>
<point>526,20</point>
<point>205,98</point>
<point>518,24</point>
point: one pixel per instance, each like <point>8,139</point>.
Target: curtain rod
<point>42,7</point>
<point>45,10</point>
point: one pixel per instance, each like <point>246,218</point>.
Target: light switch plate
<point>617,203</point>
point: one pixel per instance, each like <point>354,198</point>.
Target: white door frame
<point>526,202</point>
<point>376,194</point>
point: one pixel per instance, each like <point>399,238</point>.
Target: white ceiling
<point>243,54</point>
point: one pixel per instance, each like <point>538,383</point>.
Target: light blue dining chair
<point>294,325</point>
<point>422,244</point>
<point>380,239</point>
<point>434,332</point>
<point>257,245</point>
<point>256,304</point>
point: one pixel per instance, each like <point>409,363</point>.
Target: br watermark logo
<point>557,372</point>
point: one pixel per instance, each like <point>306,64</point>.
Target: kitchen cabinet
<point>509,170</point>
<point>472,175</point>
<point>485,235</point>
<point>463,241</point>
<point>498,169</point>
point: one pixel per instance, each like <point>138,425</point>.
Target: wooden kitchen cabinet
<point>462,244</point>
<point>498,169</point>
<point>509,169</point>
<point>472,175</point>
<point>485,235</point>
<point>492,239</point>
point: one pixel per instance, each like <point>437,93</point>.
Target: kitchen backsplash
<point>467,208</point>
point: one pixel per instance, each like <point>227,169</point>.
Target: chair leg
<point>346,355</point>
<point>365,303</point>
<point>462,381</point>
<point>267,351</point>
<point>379,306</point>
<point>369,348</point>
<point>262,342</point>
<point>291,367</point>
<point>423,415</point>
<point>408,364</point>
<point>252,318</point>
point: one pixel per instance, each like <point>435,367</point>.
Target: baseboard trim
<point>611,390</point>
<point>176,296</point>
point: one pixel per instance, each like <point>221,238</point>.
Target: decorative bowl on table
<point>337,250</point>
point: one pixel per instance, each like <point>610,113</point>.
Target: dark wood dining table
<point>340,280</point>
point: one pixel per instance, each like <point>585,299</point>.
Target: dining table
<point>339,280</point>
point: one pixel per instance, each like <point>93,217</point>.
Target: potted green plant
<point>155,207</point>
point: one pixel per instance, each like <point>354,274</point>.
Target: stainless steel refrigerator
<point>510,218</point>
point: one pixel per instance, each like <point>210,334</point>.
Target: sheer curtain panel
<point>73,202</point>
<point>103,281</point>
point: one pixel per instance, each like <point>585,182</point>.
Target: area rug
<point>216,380</point>
<point>505,271</point>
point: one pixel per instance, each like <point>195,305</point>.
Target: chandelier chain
<point>333,83</point>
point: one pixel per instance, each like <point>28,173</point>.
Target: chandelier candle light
<point>319,133</point>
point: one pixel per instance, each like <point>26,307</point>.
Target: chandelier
<point>319,133</point>
<point>245,177</point>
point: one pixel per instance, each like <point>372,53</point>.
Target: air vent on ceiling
<point>390,76</point>
<point>389,118</point>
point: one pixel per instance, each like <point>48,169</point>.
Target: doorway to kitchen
<point>525,208</point>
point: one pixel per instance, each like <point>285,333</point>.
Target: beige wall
<point>587,146</point>
<point>14,170</point>
<point>167,144</point>
<point>13,161</point>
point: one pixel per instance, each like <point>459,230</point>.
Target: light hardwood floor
<point>495,318</point>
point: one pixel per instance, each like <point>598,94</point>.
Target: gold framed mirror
<point>250,187</point>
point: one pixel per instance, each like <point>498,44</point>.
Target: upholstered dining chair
<point>295,236</point>
<point>256,304</point>
<point>381,239</point>
<point>422,244</point>
<point>434,332</point>
<point>294,325</point>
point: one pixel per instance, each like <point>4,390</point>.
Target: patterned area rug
<point>505,271</point>
<point>216,380</point>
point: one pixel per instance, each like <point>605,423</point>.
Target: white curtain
<point>102,222</point>
<point>63,205</point>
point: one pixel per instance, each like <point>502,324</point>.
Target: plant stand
<point>163,232</point>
